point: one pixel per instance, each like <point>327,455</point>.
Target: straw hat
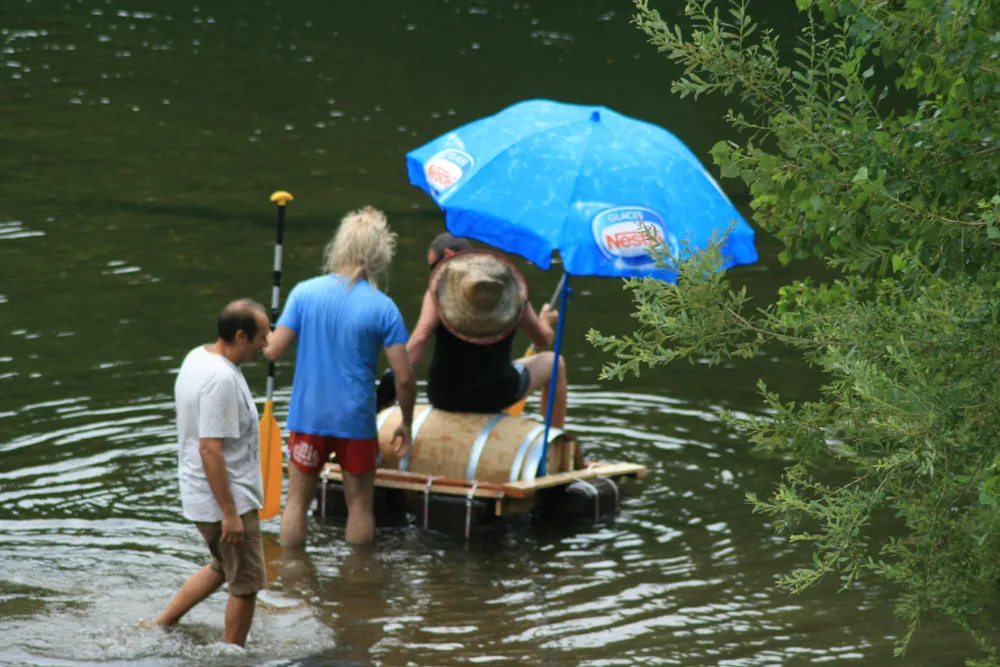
<point>480,295</point>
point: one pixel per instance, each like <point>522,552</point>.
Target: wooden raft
<point>489,458</point>
<point>511,498</point>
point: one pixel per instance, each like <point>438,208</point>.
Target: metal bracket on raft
<point>427,501</point>
<point>469,497</point>
<point>468,508</point>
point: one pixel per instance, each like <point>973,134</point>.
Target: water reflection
<point>352,601</point>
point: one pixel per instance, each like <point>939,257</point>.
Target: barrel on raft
<point>498,448</point>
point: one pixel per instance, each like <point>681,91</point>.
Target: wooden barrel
<point>483,447</point>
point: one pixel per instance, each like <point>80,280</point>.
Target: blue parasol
<point>543,176</point>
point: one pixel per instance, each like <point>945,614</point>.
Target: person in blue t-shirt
<point>340,320</point>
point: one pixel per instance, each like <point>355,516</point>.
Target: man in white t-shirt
<point>219,466</point>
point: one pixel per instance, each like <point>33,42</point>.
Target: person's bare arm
<point>218,480</point>
<point>421,336</point>
<point>406,393</point>
<point>540,328</point>
<point>278,342</point>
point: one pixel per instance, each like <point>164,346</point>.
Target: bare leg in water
<point>204,582</point>
<point>294,522</point>
<point>199,586</point>
<point>359,492</point>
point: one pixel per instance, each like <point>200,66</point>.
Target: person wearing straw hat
<point>476,300</point>
<point>340,320</point>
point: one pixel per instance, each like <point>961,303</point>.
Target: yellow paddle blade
<point>516,409</point>
<point>270,462</point>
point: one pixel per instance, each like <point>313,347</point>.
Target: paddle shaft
<point>276,289</point>
<point>270,431</point>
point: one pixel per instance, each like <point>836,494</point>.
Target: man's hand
<point>277,342</point>
<point>549,316</point>
<point>402,434</point>
<point>232,528</point>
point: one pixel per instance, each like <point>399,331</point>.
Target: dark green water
<point>138,145</point>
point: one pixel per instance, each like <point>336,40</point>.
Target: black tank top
<point>464,377</point>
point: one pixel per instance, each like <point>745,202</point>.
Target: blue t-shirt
<point>340,328</point>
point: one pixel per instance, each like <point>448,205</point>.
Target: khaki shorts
<point>242,564</point>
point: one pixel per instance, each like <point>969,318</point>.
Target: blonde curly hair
<point>362,247</point>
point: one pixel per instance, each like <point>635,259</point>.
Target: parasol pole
<point>555,373</point>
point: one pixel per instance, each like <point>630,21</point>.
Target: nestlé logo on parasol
<point>447,168</point>
<point>620,235</point>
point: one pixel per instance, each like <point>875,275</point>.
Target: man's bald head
<point>240,315</point>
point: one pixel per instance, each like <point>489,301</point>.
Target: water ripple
<point>13,229</point>
<point>644,588</point>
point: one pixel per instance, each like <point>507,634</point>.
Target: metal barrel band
<point>468,509</point>
<point>535,455</point>
<point>378,430</point>
<point>404,463</point>
<point>479,444</point>
<point>384,418</point>
<point>427,501</point>
<point>522,451</point>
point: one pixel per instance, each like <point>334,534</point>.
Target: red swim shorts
<point>310,453</point>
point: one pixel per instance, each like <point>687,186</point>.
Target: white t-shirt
<point>214,401</point>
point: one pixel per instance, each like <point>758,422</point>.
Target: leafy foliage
<point>896,186</point>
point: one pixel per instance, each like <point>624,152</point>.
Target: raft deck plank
<point>512,506</point>
<point>410,481</point>
<point>528,489</point>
